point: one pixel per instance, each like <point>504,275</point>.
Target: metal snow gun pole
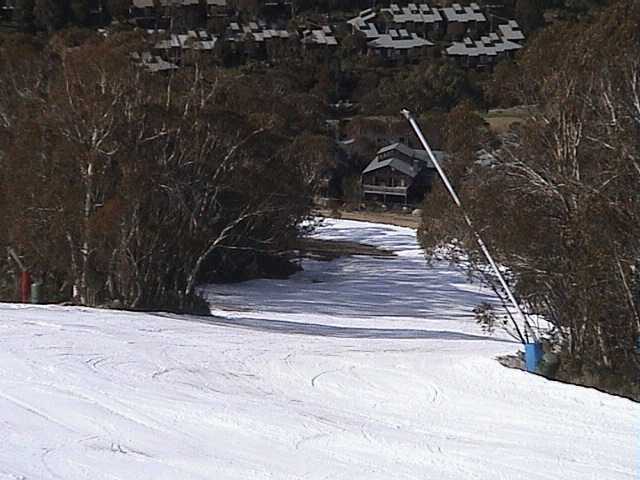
<point>533,352</point>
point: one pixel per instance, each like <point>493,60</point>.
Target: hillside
<point>360,368</point>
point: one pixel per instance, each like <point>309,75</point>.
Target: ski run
<point>359,368</point>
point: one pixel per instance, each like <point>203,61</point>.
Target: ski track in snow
<point>360,368</point>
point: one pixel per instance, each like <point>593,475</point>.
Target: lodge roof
<point>490,45</point>
<point>464,14</point>
<point>152,63</point>
<point>403,161</point>
<point>399,40</point>
<point>142,3</point>
<point>322,36</point>
<point>394,163</point>
<point>422,13</point>
<point>363,18</point>
<point>369,29</point>
<point>192,40</point>
<point>511,31</point>
<point>178,3</point>
<point>258,31</point>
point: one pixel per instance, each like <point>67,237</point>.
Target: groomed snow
<point>361,368</point>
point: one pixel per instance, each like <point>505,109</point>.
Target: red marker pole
<point>25,287</point>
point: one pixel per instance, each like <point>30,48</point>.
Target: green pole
<point>36,292</point>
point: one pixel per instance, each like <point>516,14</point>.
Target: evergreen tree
<point>24,15</point>
<point>80,10</point>
<point>530,14</point>
<point>50,15</point>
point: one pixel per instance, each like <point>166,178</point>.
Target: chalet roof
<point>417,14</point>
<point>199,40</point>
<point>399,40</point>
<point>257,31</point>
<point>192,40</point>
<point>176,3</point>
<point>399,162</point>
<point>368,29</point>
<point>173,41</point>
<point>401,147</point>
<point>464,14</point>
<point>323,36</point>
<point>511,31</point>
<point>142,3</point>
<point>260,35</point>
<point>152,62</point>
<point>363,18</point>
<point>394,163</point>
<point>490,45</point>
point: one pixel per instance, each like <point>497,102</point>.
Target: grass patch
<point>388,218</point>
<point>501,119</point>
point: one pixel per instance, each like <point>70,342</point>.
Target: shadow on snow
<point>319,330</point>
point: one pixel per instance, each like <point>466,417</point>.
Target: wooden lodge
<point>398,174</point>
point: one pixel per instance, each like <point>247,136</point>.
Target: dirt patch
<point>320,249</point>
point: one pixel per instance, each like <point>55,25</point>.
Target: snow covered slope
<point>362,368</point>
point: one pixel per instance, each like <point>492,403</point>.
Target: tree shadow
<point>319,330</point>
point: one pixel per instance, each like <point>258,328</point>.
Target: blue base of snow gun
<point>532,356</point>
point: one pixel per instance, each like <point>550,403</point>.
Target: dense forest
<point>121,186</point>
<point>126,188</point>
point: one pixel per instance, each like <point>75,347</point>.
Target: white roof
<point>323,36</point>
<point>173,41</point>
<point>365,16</point>
<point>458,13</point>
<point>413,13</point>
<point>154,63</point>
<point>368,29</point>
<point>143,3</point>
<point>257,31</point>
<point>197,41</point>
<point>399,41</point>
<point>192,40</point>
<point>490,45</point>
<point>511,31</point>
